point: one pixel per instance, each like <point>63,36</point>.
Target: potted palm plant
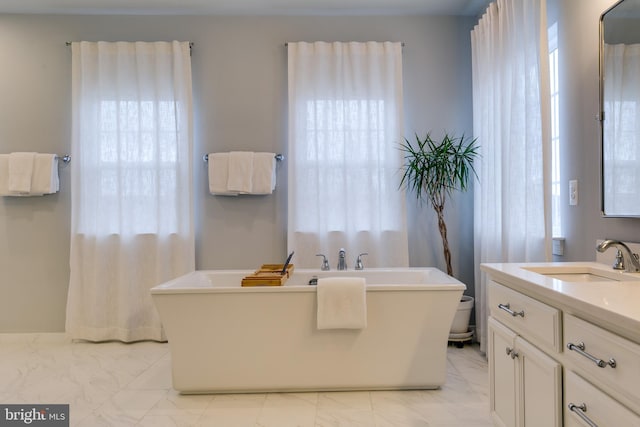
<point>433,170</point>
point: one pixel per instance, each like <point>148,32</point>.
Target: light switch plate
<point>573,192</point>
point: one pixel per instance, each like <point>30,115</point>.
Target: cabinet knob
<point>511,352</point>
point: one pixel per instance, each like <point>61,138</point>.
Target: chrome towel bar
<point>279,157</point>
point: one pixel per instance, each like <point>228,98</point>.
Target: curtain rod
<point>401,43</point>
<point>190,44</point>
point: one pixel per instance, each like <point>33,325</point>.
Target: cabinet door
<point>502,374</point>
<point>539,383</point>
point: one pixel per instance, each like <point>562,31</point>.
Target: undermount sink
<point>582,277</point>
<point>583,273</point>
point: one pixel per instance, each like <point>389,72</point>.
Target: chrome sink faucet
<point>342,263</point>
<point>623,250</point>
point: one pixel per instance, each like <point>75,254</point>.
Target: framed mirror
<point>620,109</point>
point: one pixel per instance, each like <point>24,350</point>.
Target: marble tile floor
<point>114,384</point>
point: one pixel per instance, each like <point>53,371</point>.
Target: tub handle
<point>325,263</point>
<point>359,265</point>
<point>507,308</point>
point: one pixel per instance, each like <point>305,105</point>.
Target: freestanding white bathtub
<point>225,338</point>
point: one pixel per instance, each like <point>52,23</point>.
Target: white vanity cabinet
<point>525,382</point>
<point>562,352</point>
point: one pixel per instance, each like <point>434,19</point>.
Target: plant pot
<point>460,323</point>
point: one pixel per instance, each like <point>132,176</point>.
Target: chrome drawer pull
<point>507,308</point>
<point>580,410</point>
<point>579,348</point>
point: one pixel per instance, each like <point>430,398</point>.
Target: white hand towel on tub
<point>218,168</point>
<point>264,173</point>
<point>20,172</point>
<point>342,303</point>
<point>240,172</point>
<point>45,174</point>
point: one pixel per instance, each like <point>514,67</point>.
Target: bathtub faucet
<point>342,263</point>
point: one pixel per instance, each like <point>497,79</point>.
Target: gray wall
<point>239,80</point>
<point>578,22</point>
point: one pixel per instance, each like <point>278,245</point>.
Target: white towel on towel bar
<point>43,180</point>
<point>342,303</point>
<point>218,168</point>
<point>45,174</point>
<point>264,173</point>
<point>240,172</point>
<point>20,172</point>
<point>4,178</point>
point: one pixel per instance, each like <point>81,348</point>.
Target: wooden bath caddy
<point>268,275</point>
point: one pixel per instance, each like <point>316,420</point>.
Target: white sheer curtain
<point>345,124</point>
<point>131,224</point>
<point>511,121</point>
<point>622,125</point>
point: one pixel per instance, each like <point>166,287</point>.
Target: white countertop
<point>614,305</point>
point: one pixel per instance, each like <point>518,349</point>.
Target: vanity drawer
<point>591,350</point>
<point>582,400</point>
<point>538,322</point>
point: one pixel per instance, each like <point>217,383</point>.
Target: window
<point>138,163</point>
<point>347,135</point>
<point>132,138</point>
<point>556,216</point>
<point>345,124</point>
